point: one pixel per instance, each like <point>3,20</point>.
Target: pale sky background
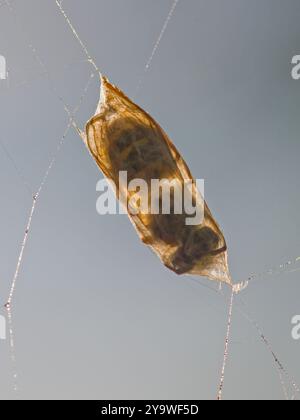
<point>96,316</point>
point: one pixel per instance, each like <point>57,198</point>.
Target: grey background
<point>95,314</point>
